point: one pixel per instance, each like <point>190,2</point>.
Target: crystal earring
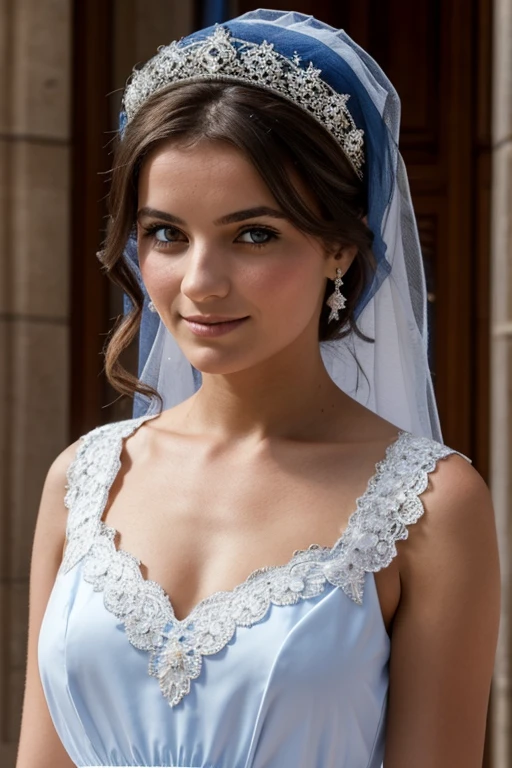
<point>151,307</point>
<point>336,300</point>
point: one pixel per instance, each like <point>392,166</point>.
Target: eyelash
<point>162,245</point>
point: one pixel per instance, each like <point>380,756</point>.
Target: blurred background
<point>62,65</point>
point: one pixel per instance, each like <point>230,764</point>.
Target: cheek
<point>159,274</point>
<point>288,287</point>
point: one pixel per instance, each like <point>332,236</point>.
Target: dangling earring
<point>152,307</point>
<point>336,300</point>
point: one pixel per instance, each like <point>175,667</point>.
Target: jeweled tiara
<point>222,57</point>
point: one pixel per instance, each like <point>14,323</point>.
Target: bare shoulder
<point>455,480</point>
<point>56,478</point>
<point>457,503</point>
<point>57,473</point>
<point>52,515</point>
<point>457,530</point>
<point>50,531</point>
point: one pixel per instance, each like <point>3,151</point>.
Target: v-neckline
<point>116,535</point>
<point>389,505</point>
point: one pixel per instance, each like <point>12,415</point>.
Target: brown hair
<point>275,135</point>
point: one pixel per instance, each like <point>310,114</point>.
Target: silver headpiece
<point>223,57</point>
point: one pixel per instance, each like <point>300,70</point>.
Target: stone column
<point>35,70</point>
<point>501,362</point>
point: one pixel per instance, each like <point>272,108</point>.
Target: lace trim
<point>390,503</point>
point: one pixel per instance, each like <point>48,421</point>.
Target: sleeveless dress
<point>288,670</point>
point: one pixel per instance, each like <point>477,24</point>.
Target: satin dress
<point>288,670</point>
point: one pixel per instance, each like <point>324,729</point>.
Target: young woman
<point>277,563</point>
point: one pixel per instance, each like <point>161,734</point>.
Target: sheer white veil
<point>390,376</point>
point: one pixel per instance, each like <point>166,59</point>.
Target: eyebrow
<point>230,218</point>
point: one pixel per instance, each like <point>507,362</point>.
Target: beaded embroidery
<point>390,503</point>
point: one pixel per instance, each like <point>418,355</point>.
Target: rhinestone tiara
<point>222,57</point>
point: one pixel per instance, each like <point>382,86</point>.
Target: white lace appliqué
<point>390,503</point>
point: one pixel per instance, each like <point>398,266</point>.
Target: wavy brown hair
<point>276,136</point>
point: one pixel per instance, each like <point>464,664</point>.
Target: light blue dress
<point>289,670</point>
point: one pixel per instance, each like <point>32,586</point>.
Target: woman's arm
<point>39,745</point>
<point>445,630</point>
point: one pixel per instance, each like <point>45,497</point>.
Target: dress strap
<point>389,505</point>
<point>383,513</point>
<point>89,479</point>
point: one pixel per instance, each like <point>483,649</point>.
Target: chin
<point>221,362</point>
<point>219,367</point>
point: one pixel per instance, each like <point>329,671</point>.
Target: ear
<point>340,258</point>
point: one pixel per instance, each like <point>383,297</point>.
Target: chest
<point>202,521</point>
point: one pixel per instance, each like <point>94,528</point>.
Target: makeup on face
<point>211,329</point>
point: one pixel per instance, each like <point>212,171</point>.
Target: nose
<point>206,273</point>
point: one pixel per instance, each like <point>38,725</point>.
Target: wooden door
<point>91,132</point>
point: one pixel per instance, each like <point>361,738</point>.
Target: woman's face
<point>213,241</point>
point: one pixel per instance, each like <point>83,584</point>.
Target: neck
<point>289,396</point>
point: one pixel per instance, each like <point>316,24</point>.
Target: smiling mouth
<point>220,322</point>
<point>201,321</point>
<point>214,328</point>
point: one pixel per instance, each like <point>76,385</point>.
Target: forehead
<point>207,171</point>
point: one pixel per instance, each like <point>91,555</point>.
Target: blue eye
<point>163,237</point>
<point>165,234</point>
<point>258,236</point>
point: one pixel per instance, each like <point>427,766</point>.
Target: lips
<point>212,320</point>
<point>213,328</point>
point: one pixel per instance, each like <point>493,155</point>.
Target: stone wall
<point>35,39</point>
<point>501,362</point>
